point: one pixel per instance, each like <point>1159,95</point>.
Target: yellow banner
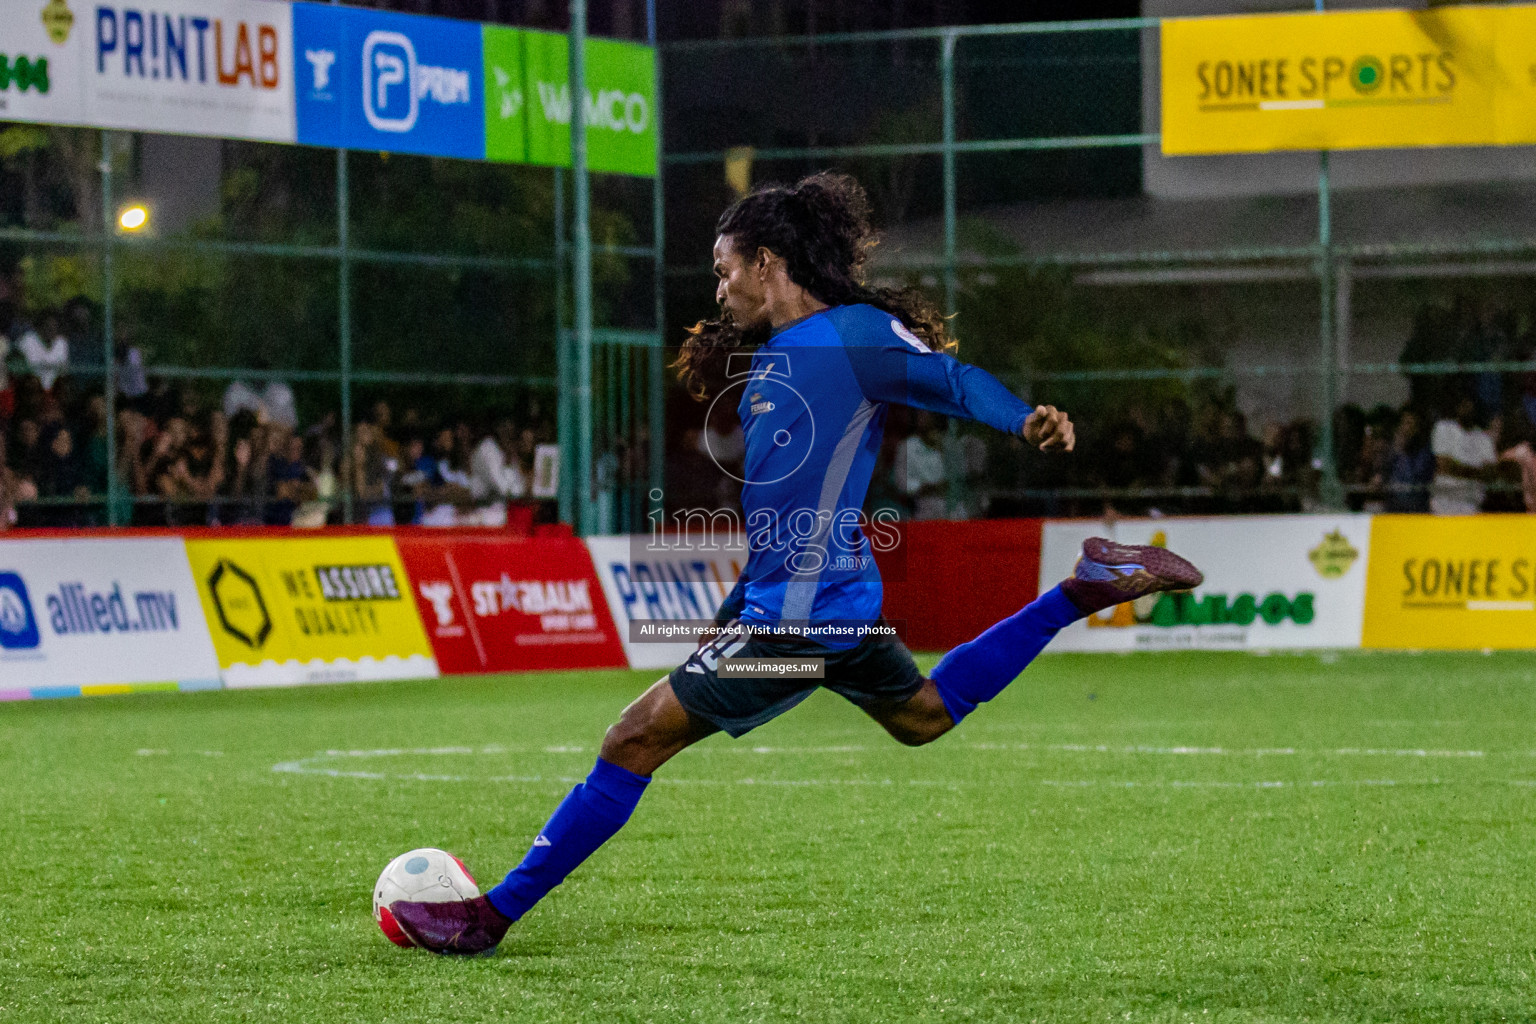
<point>324,609</point>
<point>1460,76</point>
<point>1459,583</point>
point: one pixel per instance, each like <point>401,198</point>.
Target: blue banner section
<point>389,82</point>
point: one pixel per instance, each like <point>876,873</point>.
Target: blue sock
<point>587,818</point>
<point>977,671</point>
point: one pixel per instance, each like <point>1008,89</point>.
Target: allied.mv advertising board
<point>99,616</point>
<point>284,612</point>
<point>1270,582</point>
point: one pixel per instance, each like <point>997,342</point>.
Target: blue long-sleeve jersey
<point>813,408</point>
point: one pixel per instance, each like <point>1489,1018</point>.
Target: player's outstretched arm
<point>904,371</point>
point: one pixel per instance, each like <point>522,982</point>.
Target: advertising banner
<point>389,82</point>
<point>620,103</point>
<point>191,67</point>
<point>498,605</point>
<point>1270,582</point>
<point>1453,76</point>
<point>288,611</point>
<point>100,616</point>
<point>645,581</point>
<point>1452,582</point>
<point>506,108</point>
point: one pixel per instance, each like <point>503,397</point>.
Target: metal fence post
<point>1330,490</point>
<point>107,354</point>
<point>344,324</point>
<point>656,384</point>
<point>954,496</point>
<point>582,276</point>
<point>565,420</point>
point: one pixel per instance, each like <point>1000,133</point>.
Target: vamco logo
<point>18,626</point>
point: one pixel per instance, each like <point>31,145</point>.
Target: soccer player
<point>828,355</point>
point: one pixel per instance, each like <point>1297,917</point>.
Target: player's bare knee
<point>631,734</point>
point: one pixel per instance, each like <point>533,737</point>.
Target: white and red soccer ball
<point>421,876</point>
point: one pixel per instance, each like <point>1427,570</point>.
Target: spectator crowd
<point>190,454</point>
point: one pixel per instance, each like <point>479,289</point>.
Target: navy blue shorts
<point>880,670</point>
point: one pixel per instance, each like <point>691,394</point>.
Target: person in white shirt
<point>919,469</point>
<point>46,361</point>
<point>494,472</point>
<point>1465,460</point>
<point>277,400</point>
<point>241,397</point>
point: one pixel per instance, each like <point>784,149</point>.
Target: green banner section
<point>506,93</point>
<point>620,103</point>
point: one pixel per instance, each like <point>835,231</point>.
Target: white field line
<point>316,765</point>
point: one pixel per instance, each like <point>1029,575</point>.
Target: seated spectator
<point>47,362</point>
<point>241,397</point>
<point>170,479</point>
<point>288,479</point>
<point>27,449</point>
<point>7,393</point>
<point>370,472</point>
<point>494,471</point>
<point>245,489</point>
<point>919,468</point>
<point>61,476</point>
<point>277,399</point>
<point>320,460</point>
<point>1410,466</point>
<point>1465,460</point>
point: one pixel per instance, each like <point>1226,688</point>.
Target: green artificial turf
<point>1175,837</point>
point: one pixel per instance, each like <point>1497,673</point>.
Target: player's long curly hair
<point>820,228</point>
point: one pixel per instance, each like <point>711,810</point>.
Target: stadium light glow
<point>133,218</point>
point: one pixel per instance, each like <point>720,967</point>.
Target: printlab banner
<point>1452,582</point>
<point>193,67</point>
<point>1454,76</point>
<point>501,605</point>
<point>673,578</point>
<point>1270,582</point>
<point>286,611</point>
<point>325,75</point>
<point>100,616</point>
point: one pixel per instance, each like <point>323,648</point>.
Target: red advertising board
<point>948,581</point>
<point>510,605</point>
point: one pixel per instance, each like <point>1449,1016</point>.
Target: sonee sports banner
<point>1452,76</point>
<point>325,75</point>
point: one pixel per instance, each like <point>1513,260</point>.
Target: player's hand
<point>1049,429</point>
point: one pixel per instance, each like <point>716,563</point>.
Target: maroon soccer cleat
<point>459,928</point>
<point>1108,574</point>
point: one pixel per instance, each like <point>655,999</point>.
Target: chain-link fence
<point>1275,332</point>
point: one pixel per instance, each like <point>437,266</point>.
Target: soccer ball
<point>421,876</point>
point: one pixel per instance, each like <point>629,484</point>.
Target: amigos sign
<point>1270,582</point>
